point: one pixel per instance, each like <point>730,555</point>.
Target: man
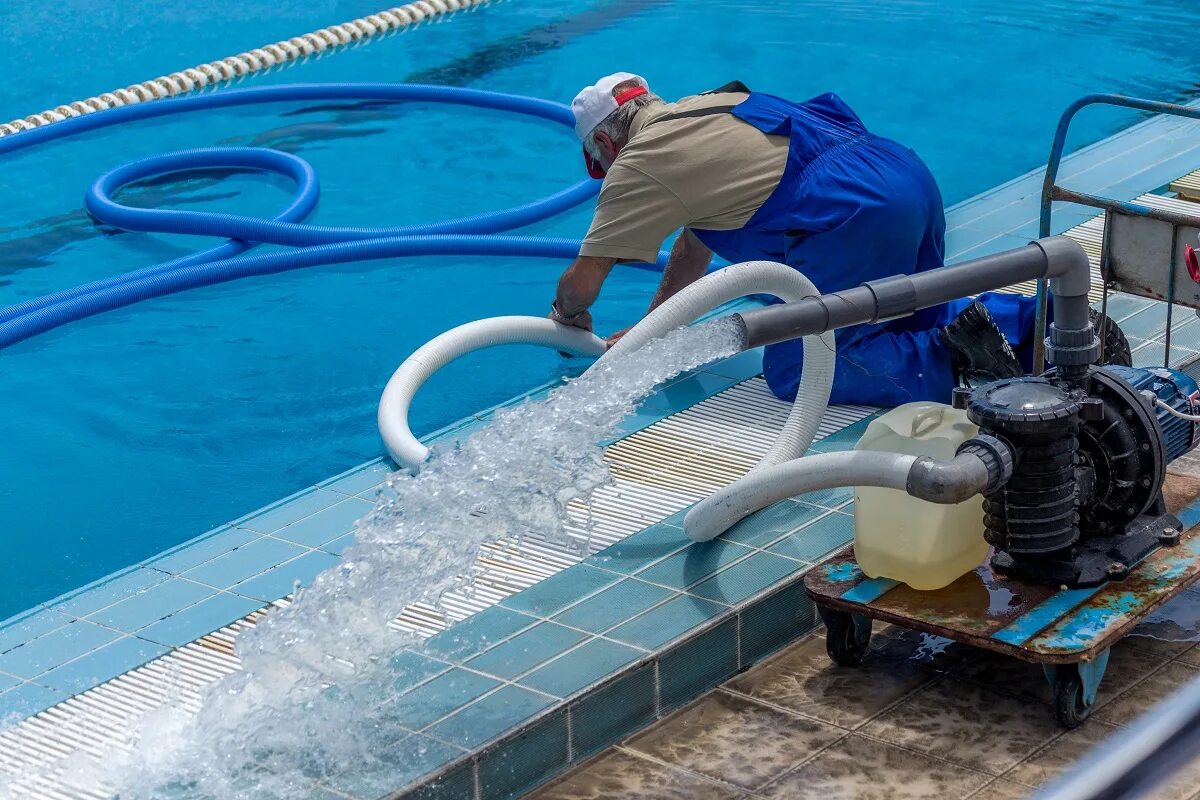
<point>751,176</point>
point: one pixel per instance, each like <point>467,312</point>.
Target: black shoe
<point>977,347</point>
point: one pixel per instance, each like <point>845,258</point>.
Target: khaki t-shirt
<point>710,172</point>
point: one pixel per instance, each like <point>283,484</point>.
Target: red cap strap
<point>630,93</point>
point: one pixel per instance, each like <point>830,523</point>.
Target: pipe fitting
<point>996,454</point>
<point>948,482</point>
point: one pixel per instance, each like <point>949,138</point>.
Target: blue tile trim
<point>666,622</point>
<point>113,589</point>
<point>361,479</point>
<point>321,527</point>
<point>551,595</point>
<point>378,773</point>
<point>775,621</point>
<point>8,682</point>
<point>279,581</point>
<point>201,549</point>
<point>91,670</point>
<point>290,509</point>
<point>477,633</point>
<point>490,716</point>
<point>151,605</point>
<point>527,650</point>
<point>693,564</point>
<point>434,699</point>
<point>768,526</point>
<point>244,562</point>
<point>697,665</point>
<point>587,664</point>
<point>199,620</point>
<point>1031,623</point>
<point>27,626</point>
<point>528,759</point>
<point>812,542</point>
<point>615,710</point>
<point>637,550</point>
<point>616,603</point>
<point>746,578</point>
<point>72,641</point>
<point>26,700</point>
<point>455,784</point>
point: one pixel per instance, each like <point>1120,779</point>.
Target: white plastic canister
<point>926,545</point>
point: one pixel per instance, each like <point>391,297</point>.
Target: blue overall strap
<point>813,128</point>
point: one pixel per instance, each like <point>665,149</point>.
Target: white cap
<point>592,105</point>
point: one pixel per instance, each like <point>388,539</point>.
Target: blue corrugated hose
<point>316,244</point>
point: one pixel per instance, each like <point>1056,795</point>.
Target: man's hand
<point>581,320</point>
<point>578,288</point>
<point>616,337</point>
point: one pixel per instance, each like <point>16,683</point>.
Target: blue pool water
<point>131,432</point>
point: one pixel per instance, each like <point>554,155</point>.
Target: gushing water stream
<point>317,695</point>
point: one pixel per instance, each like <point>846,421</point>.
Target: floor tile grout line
<point>621,747</point>
<point>843,732</point>
<point>931,756</point>
<point>1136,684</point>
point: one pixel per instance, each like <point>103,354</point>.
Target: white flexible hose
<point>699,298</point>
<point>260,59</point>
<point>740,280</point>
<point>724,508</point>
<point>440,351</point>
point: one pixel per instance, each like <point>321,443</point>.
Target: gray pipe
<point>944,482</point>
<point>1057,258</point>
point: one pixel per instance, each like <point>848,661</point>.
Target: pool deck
<point>567,657</point>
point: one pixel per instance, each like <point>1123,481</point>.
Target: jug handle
<point>918,423</point>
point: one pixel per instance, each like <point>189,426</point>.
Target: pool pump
<point>1089,448</point>
<point>1071,463</point>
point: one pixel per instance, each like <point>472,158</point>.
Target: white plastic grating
<point>660,470</point>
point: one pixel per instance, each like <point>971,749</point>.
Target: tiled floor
<point>921,718</point>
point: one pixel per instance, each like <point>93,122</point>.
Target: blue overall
<point>853,207</point>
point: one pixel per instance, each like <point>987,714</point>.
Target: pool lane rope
<point>314,245</point>
<point>263,59</point>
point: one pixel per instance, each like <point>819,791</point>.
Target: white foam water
<point>317,694</point>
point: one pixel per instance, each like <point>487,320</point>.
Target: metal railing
<point>1051,192</point>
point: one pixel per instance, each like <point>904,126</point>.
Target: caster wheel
<point>847,637</point>
<point>1070,707</point>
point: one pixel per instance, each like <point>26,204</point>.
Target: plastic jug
<point>923,544</point>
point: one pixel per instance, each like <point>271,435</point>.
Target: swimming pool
<point>133,431</point>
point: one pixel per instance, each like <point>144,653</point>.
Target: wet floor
<point>922,717</point>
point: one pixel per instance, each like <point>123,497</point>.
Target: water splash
<point>317,694</point>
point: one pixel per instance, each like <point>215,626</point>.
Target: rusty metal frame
<point>1052,192</point>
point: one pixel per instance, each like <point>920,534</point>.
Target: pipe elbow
<point>1067,266</point>
<point>948,482</point>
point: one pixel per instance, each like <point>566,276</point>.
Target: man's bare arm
<point>578,288</point>
<point>689,260</point>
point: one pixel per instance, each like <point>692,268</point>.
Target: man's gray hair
<point>616,124</point>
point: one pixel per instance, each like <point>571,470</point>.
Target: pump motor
<point>1089,452</point>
